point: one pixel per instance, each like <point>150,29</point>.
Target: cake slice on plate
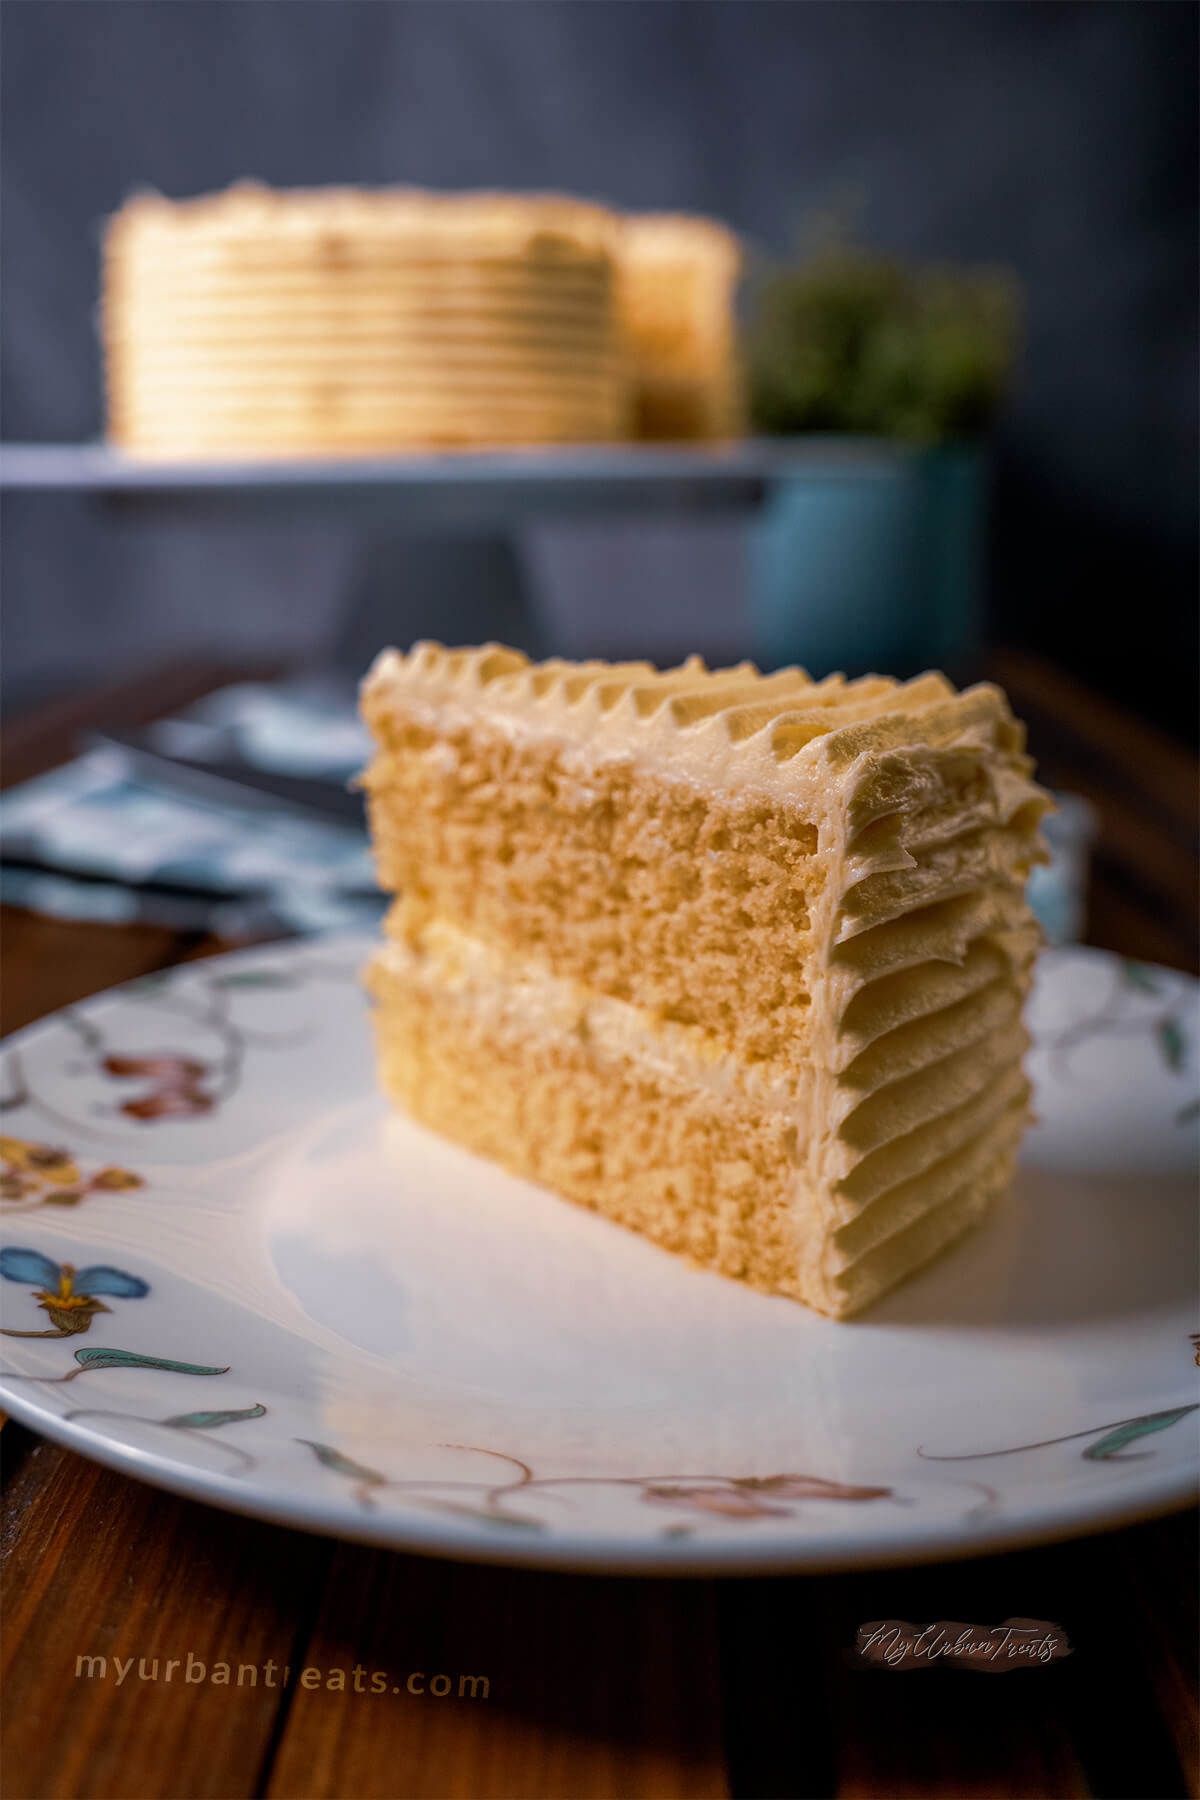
<point>737,960</point>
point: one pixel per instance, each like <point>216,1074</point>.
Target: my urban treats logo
<point>1016,1644</point>
<point>189,1671</point>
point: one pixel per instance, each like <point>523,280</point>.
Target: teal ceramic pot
<point>868,556</point>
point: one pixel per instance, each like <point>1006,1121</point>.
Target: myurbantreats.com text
<point>190,1670</point>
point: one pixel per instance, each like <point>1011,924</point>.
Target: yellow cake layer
<point>663,1130</point>
<point>327,417</point>
<point>385,388</point>
<point>467,358</point>
<point>579,316</point>
<point>700,910</point>
<point>328,421</point>
<point>690,869</point>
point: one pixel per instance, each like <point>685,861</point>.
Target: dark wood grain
<point>876,1732</point>
<point>942,1730</point>
<point>1116,1718</point>
<point>1160,1610</point>
<point>48,964</point>
<point>1141,762</point>
<point>596,1687</point>
<point>1145,789</point>
<point>99,1566</point>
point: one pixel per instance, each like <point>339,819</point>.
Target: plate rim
<point>591,1553</point>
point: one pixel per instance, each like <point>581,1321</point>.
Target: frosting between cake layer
<point>909,1161</point>
<point>519,995</point>
<point>925,1068</point>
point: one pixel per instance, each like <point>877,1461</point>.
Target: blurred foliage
<point>852,341</point>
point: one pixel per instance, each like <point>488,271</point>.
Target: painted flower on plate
<point>44,1175</point>
<point>177,1085</point>
<point>751,1496</point>
<point>809,1487</point>
<point>68,1296</point>
<point>723,1501</point>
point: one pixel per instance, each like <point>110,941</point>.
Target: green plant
<point>852,341</point>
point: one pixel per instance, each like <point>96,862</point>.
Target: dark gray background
<point>1059,139</point>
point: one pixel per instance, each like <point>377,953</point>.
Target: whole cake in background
<point>333,321</point>
<point>336,320</point>
<point>676,285</point>
<point>737,960</point>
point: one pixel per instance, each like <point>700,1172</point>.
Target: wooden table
<point>598,1687</point>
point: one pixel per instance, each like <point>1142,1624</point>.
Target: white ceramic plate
<point>230,1270</point>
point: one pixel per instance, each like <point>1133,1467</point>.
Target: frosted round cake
<point>336,320</point>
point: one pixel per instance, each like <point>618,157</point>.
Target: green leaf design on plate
<point>1113,1442</point>
<point>1172,1044</point>
<point>342,1465</point>
<point>486,1515</point>
<point>150,984</point>
<point>208,1421</point>
<point>256,978</point>
<point>1136,975</point>
<point>97,1358</point>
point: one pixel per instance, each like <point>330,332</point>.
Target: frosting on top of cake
<point>884,741</point>
<point>478,222</point>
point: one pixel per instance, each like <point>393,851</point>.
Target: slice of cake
<point>676,281</point>
<point>737,960</point>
